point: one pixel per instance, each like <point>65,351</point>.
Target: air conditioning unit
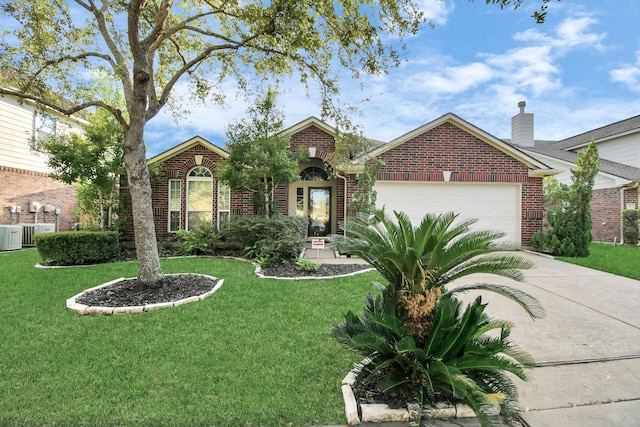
<point>30,230</point>
<point>10,237</point>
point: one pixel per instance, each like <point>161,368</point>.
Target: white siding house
<point>24,175</point>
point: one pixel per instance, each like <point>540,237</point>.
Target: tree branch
<point>68,111</point>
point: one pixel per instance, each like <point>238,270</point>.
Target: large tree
<point>144,48</point>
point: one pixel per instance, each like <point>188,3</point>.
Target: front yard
<point>616,259</point>
<point>256,353</point>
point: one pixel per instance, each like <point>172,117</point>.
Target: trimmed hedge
<point>78,247</point>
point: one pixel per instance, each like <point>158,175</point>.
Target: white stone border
<point>382,413</point>
<point>83,309</point>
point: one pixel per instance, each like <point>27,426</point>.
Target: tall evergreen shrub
<point>569,224</point>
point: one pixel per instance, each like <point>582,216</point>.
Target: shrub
<point>272,240</point>
<point>78,247</point>
<point>569,224</point>
<point>206,239</point>
<point>202,240</point>
<point>416,335</point>
<point>631,226</point>
<point>305,264</point>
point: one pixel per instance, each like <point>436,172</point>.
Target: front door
<point>319,211</point>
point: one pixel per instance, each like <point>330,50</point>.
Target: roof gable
<point>451,118</point>
<point>186,145</point>
<point>311,121</point>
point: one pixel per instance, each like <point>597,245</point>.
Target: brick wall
<point>605,212</point>
<point>18,187</point>
<point>605,215</point>
<point>449,148</point>
<point>177,168</point>
<point>314,137</point>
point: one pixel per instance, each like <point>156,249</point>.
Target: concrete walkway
<point>587,348</point>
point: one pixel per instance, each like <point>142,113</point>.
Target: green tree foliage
<point>259,155</point>
<point>363,201</point>
<point>146,48</point>
<point>93,162</point>
<point>539,15</point>
<point>568,229</point>
<point>416,334</point>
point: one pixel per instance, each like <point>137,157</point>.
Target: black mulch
<point>132,292</point>
<point>325,270</point>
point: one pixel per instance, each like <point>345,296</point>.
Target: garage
<point>497,206</point>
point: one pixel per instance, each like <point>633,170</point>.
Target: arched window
<point>199,196</point>
<point>314,173</point>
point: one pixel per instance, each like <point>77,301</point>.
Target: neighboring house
<point>446,165</point>
<point>24,176</point>
<point>616,184</point>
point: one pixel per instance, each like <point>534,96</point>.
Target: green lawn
<point>616,259</point>
<point>256,353</point>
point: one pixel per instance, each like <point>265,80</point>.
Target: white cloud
<point>628,75</point>
<point>437,11</point>
<point>452,80</point>
<point>574,33</point>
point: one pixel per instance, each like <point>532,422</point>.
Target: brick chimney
<point>522,127</point>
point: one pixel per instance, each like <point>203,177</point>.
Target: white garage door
<point>496,206</point>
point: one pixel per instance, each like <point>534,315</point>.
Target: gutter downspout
<point>345,199</point>
<point>622,190</point>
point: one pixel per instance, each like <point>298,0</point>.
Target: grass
<point>616,259</point>
<point>256,353</point>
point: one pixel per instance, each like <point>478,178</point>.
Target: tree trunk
<point>101,214</point>
<point>149,271</point>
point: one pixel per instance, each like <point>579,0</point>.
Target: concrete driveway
<point>587,348</point>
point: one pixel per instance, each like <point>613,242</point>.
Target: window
<point>175,202</point>
<point>314,173</point>
<point>44,125</point>
<point>199,197</point>
<point>224,204</point>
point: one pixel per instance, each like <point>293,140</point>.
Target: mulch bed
<point>325,270</point>
<point>132,292</point>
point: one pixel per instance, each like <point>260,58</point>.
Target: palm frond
<point>529,303</point>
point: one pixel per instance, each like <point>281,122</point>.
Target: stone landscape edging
<point>371,413</point>
<point>84,309</point>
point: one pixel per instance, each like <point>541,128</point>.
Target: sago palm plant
<point>416,334</point>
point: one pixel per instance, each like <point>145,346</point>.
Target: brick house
<point>445,165</point>
<point>616,184</point>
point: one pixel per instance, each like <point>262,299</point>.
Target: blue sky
<point>578,71</point>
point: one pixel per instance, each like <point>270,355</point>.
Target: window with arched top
<point>199,196</point>
<point>314,173</point>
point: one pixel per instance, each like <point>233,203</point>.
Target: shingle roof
<point>614,168</point>
<point>616,128</point>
